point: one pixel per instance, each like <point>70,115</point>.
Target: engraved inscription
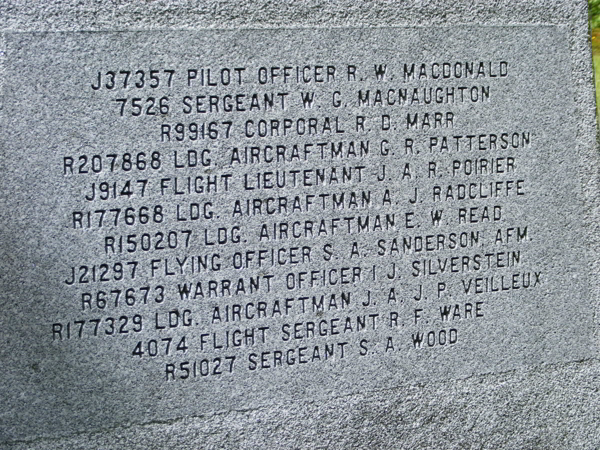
<point>335,165</point>
<point>229,221</point>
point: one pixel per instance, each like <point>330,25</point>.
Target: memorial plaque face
<point>202,221</point>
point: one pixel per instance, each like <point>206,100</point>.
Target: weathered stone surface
<point>321,304</point>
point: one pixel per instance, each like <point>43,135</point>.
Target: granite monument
<point>231,225</point>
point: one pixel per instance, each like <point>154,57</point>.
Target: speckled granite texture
<point>522,373</point>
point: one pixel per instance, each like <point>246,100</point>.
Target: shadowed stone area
<point>307,225</point>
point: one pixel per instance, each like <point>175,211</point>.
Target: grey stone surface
<point>523,375</point>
